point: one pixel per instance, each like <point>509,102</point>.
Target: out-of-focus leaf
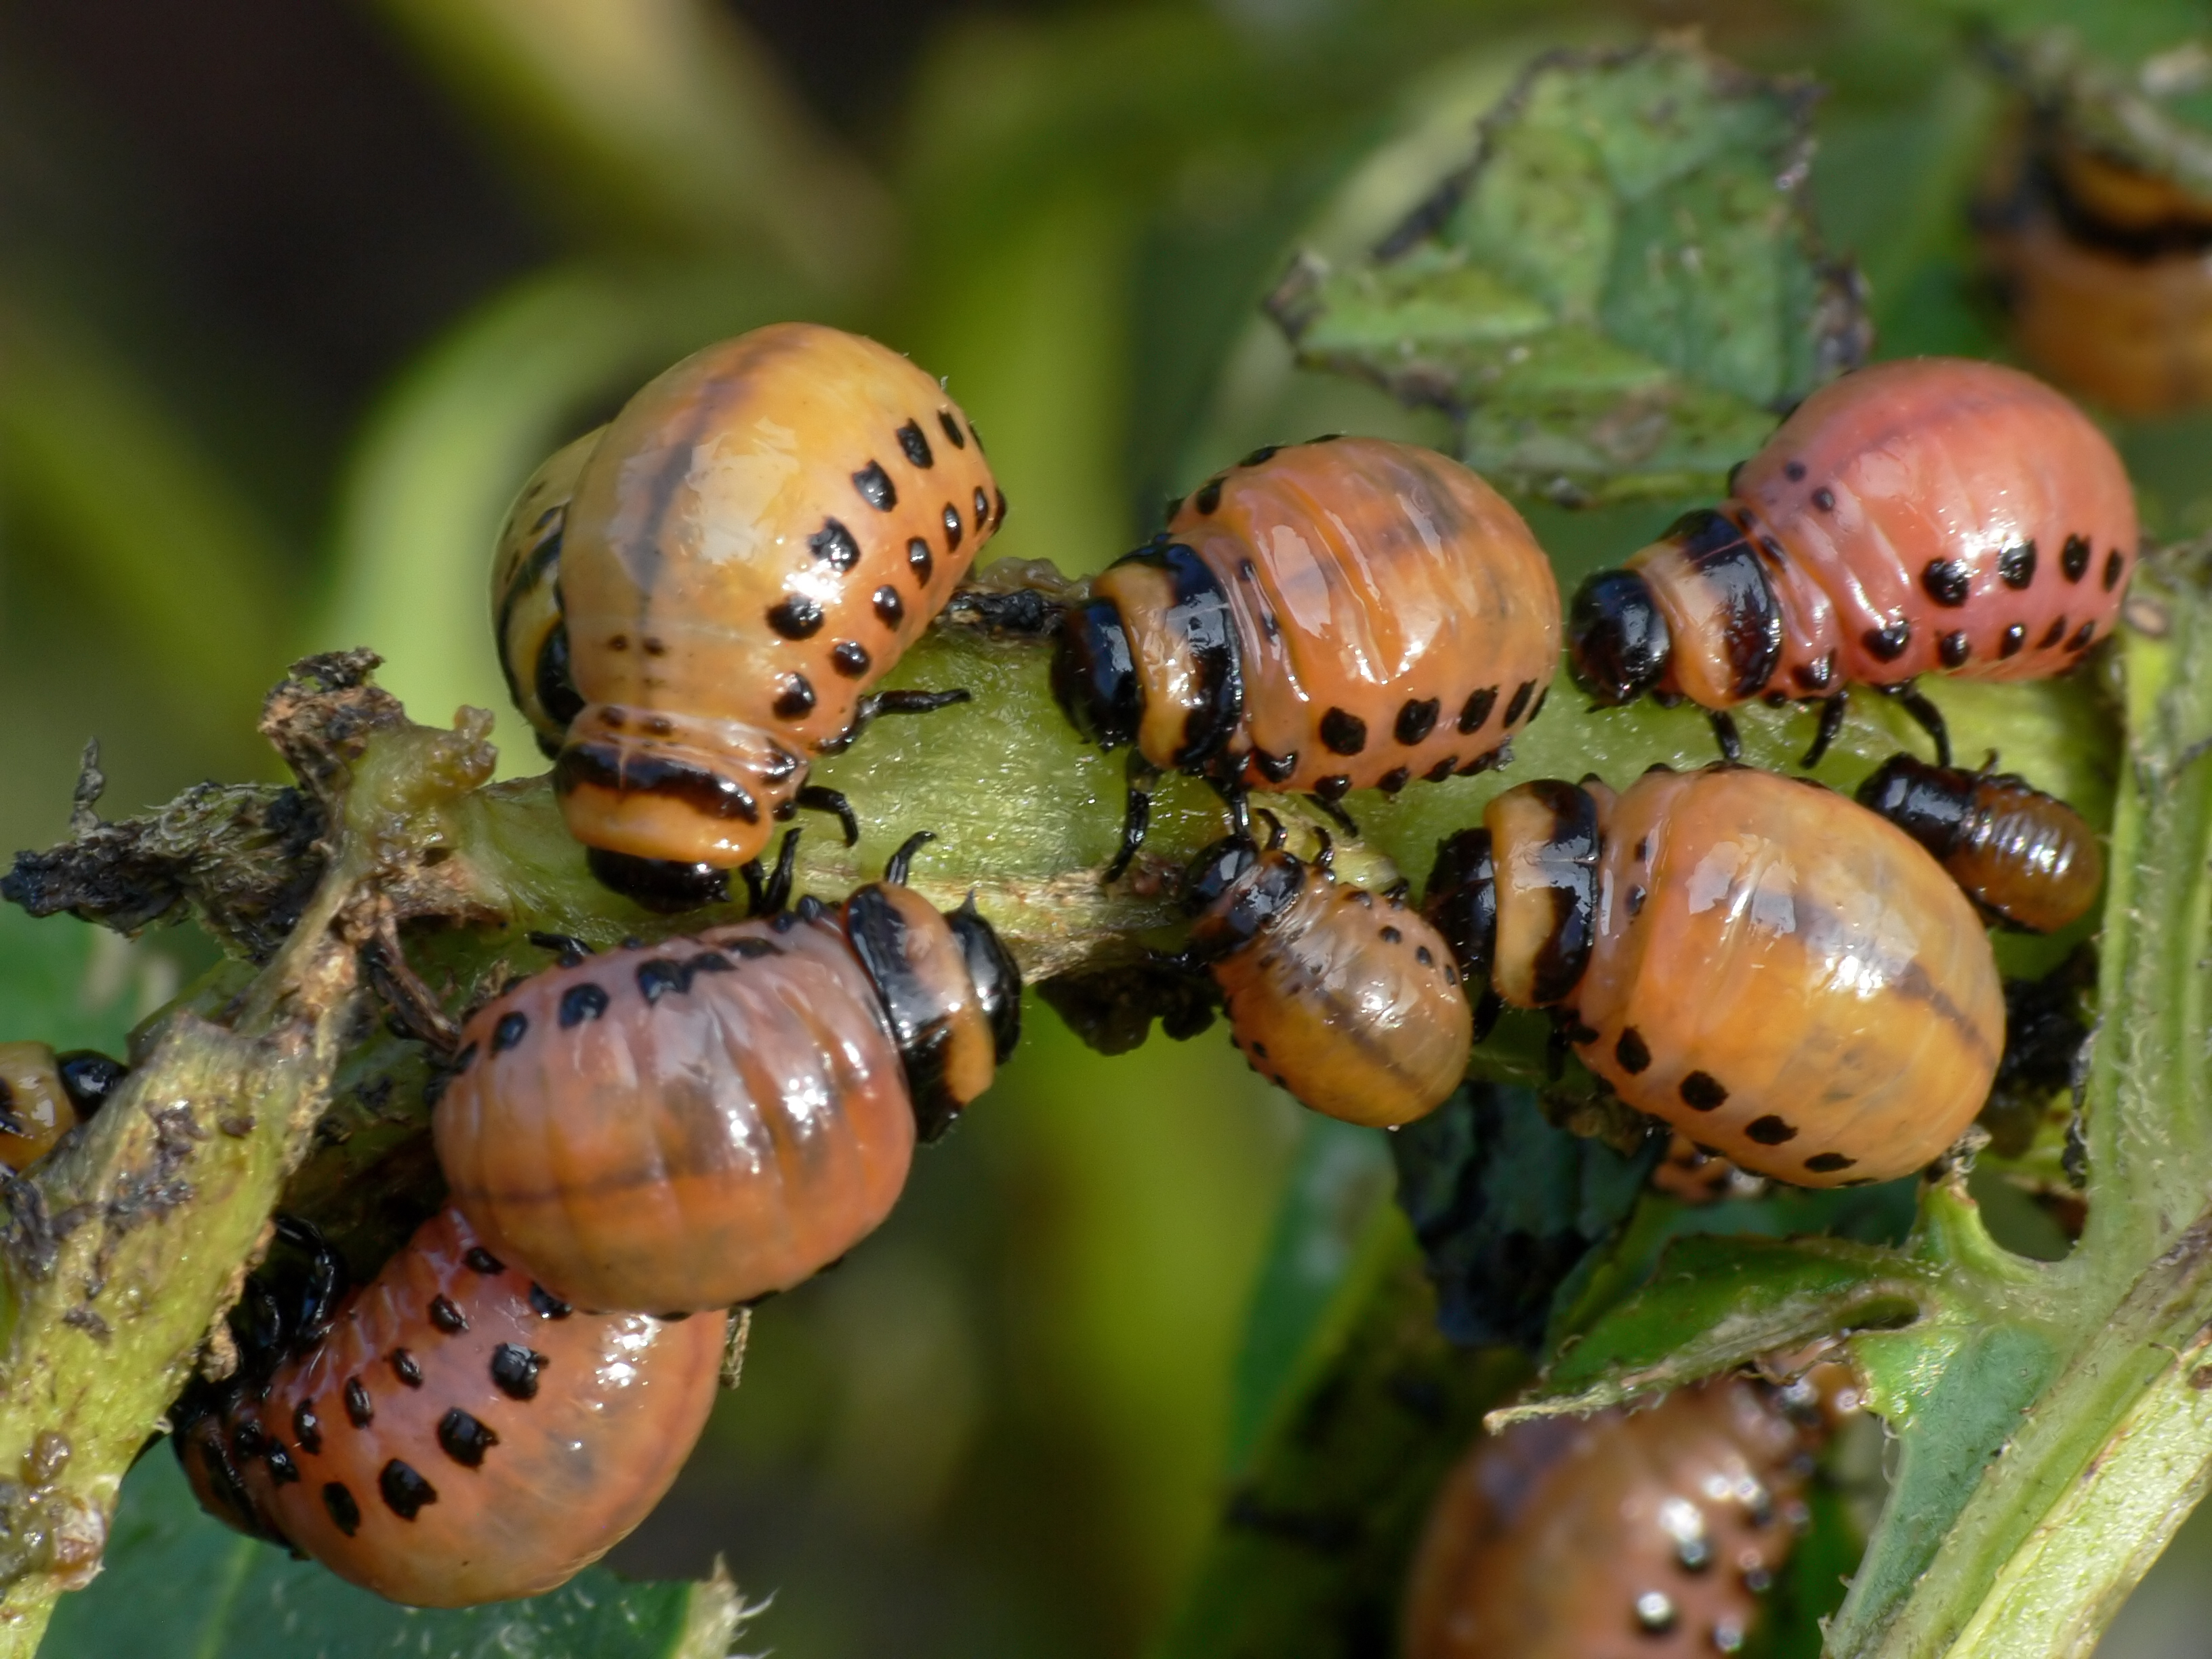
<point>1618,295</point>
<point>658,118</point>
<point>178,1582</point>
<point>1506,1207</point>
<point>68,983</point>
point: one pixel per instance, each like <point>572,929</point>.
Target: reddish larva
<point>1347,614</point>
<point>1934,515</point>
<point>694,1124</point>
<point>451,1434</point>
<point>44,1095</point>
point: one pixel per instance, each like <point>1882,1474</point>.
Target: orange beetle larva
<point>526,596</point>
<point>450,1434</point>
<point>1345,614</point>
<point>43,1096</point>
<point>1934,514</point>
<point>696,1123</point>
<point>1351,1004</point>
<point>1790,979</point>
<point>2028,858</point>
<point>752,542</point>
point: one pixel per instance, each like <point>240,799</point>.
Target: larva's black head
<point>88,1078</point>
<point>1094,676</point>
<point>992,971</point>
<point>660,885</point>
<point>1928,803</point>
<point>1617,639</point>
<point>1461,902</point>
<point>1235,888</point>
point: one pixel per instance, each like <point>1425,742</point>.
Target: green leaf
<point>178,1583</point>
<point>1618,293</point>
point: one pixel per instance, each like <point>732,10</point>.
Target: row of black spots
<point>1701,1091</point>
<point>652,645</point>
<point>1956,649</point>
<point>1343,732</point>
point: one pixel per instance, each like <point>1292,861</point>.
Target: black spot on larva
<point>247,1442</point>
<point>1474,713</point>
<point>919,559</point>
<point>405,1367</point>
<point>1828,1163</point>
<point>1888,644</point>
<point>618,642</point>
<point>658,976</point>
<point>796,700</point>
<point>464,1439</point>
<point>2116,564</point>
<point>2010,643</point>
<point>2083,637</point>
<point>1392,936</point>
<point>2073,557</point>
<point>1416,720</point>
<point>282,1469</point>
<point>1816,676</point>
<point>833,543</point>
<point>916,445</point>
<point>1794,471</point>
<point>1947,582</point>
<point>307,1427</point>
<point>876,487</point>
<point>1770,1131</point>
<point>654,648</point>
<point>404,1491</point>
<point>659,725</point>
<point>480,1259</point>
<point>1632,1051</point>
<point>951,428</point>
<point>797,618</point>
<point>1334,787</point>
<point>850,658</point>
<point>1208,497</point>
<point>1275,768</point>
<point>448,1317</point>
<point>2017,565</point>
<point>1442,769</point>
<point>890,609</point>
<point>1344,734</point>
<point>1644,849</point>
<point>1701,1091</point>
<point>952,530</point>
<point>1422,955</point>
<point>2052,635</point>
<point>982,508</point>
<point>578,1004</point>
<point>359,1409</point>
<point>546,1304</point>
<point>753,949</point>
<point>512,1027</point>
<point>1825,499</point>
<point>1953,649</point>
<point>1519,705</point>
<point>1636,898</point>
<point>345,1513</point>
<point>514,1371</point>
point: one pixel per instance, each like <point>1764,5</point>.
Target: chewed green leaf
<point>1716,1302</point>
<point>1619,292</point>
<point>178,1582</point>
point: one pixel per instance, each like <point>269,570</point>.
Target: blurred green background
<point>294,293</point>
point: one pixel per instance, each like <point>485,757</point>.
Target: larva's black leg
<point>816,798</point>
<point>768,897</point>
<point>571,950</point>
<point>1276,833</point>
<point>1832,710</point>
<point>1024,614</point>
<point>1927,716</point>
<point>1725,733</point>
<point>1236,796</point>
<point>1325,860</point>
<point>897,867</point>
<point>907,702</point>
<point>1337,815</point>
<point>324,1287</point>
<point>1137,816</point>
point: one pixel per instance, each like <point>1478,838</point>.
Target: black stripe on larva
<point>512,1027</point>
<point>448,1317</point>
<point>919,559</point>
<point>1947,582</point>
<point>1888,644</point>
<point>578,1004</point>
<point>2073,557</point>
<point>480,1259</point>
<point>464,1439</point>
<point>2017,565</point>
<point>1519,705</point>
<point>951,428</point>
<point>796,700</point>
<point>1770,1131</point>
<point>1701,1091</point>
<point>1953,649</point>
<point>2116,563</point>
<point>602,767</point>
<point>1416,720</point>
<point>1750,615</point>
<point>307,1427</point>
<point>876,487</point>
<point>850,658</point>
<point>359,1409</point>
<point>1828,1163</point>
<point>1570,849</point>
<point>1474,713</point>
<point>982,508</point>
<point>916,445</point>
<point>2052,635</point>
<point>404,1491</point>
<point>890,609</point>
<point>546,1304</point>
<point>345,1514</point>
<point>1632,1051</point>
<point>1343,734</point>
<point>514,1371</point>
<point>952,531</point>
<point>2013,639</point>
<point>835,543</point>
<point>403,1367</point>
<point>798,617</point>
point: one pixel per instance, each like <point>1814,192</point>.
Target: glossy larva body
<point>2026,857</point>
